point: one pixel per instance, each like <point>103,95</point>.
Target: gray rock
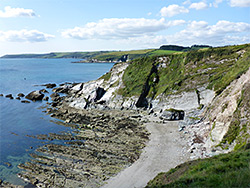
<point>62,89</point>
<point>172,114</point>
<point>35,95</point>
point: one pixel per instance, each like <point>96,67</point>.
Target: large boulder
<point>172,114</point>
<point>35,96</point>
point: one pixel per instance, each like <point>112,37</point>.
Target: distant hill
<point>53,55</point>
<point>182,48</point>
<point>112,56</point>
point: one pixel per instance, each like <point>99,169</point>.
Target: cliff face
<point>210,86</point>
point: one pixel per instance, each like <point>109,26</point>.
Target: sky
<point>41,26</point>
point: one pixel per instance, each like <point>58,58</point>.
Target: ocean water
<point>17,120</point>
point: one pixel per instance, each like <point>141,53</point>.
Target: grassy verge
<point>225,170</point>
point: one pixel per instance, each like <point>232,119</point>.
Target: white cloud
<point>220,33</point>
<point>217,2</point>
<point>199,6</point>
<point>124,28</point>
<point>24,36</point>
<point>240,3</point>
<point>197,32</point>
<point>173,10</point>
<point>187,2</point>
<point>16,12</point>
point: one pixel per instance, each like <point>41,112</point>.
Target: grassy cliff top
<point>214,68</point>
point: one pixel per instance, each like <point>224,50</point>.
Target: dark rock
<point>9,96</point>
<point>172,114</point>
<point>18,98</point>
<point>46,98</point>
<point>1,95</point>
<point>99,93</point>
<point>62,89</point>
<point>35,96</point>
<point>25,101</point>
<point>50,85</point>
<point>54,95</point>
<point>44,91</point>
<point>54,104</point>
<point>20,95</point>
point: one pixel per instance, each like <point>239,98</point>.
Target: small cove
<point>18,120</point>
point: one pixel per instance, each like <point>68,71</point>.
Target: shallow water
<point>17,119</point>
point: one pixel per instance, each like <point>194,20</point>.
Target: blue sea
<point>17,120</point>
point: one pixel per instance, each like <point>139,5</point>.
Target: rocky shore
<point>112,118</point>
<point>101,144</point>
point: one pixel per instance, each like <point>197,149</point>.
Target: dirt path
<point>163,152</point>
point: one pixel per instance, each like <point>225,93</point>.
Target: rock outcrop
<point>35,95</point>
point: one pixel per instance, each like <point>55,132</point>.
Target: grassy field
<point>133,54</point>
<point>223,171</point>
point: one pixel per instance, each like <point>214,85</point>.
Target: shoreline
<point>164,150</point>
<point>102,143</point>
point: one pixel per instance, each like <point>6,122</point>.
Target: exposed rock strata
<point>102,144</point>
<point>217,119</point>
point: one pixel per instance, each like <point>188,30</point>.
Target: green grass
<point>116,55</point>
<point>161,52</point>
<point>133,54</point>
<point>186,71</point>
<point>106,76</point>
<point>135,75</point>
<point>222,171</point>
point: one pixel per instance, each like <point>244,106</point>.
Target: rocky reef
<point>102,143</point>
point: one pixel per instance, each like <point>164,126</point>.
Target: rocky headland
<point>114,117</point>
